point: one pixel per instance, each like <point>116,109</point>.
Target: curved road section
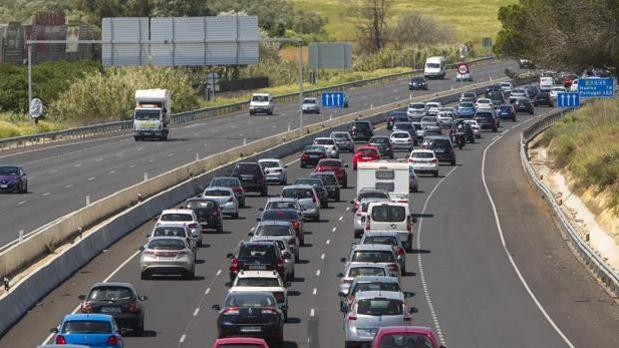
<point>466,288</point>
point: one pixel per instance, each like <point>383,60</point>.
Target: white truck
<point>390,176</point>
<point>435,67</point>
<point>151,116</point>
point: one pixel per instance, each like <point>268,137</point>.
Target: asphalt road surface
<point>466,287</point>
<point>61,176</point>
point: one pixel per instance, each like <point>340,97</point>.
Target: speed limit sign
<point>463,68</point>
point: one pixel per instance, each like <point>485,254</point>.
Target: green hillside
<point>470,19</point>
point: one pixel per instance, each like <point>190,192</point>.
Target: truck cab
<point>434,67</point>
<point>151,116</point>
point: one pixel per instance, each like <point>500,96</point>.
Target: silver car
<point>274,170</point>
<point>175,229</point>
<point>416,111</point>
<point>307,197</point>
<point>360,269</point>
<point>224,196</point>
<point>401,140</point>
<point>372,310</point>
<point>369,283</point>
<point>343,140</point>
<point>388,238</point>
<point>374,253</point>
<point>310,105</point>
<point>330,145</point>
<point>282,230</point>
<point>167,255</point>
<point>286,253</point>
<point>431,125</point>
<point>360,214</point>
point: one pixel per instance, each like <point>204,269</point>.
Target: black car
<point>396,116</point>
<point>486,120</point>
<point>208,213</point>
<point>507,112</point>
<point>418,82</point>
<point>407,126</point>
<point>331,184</point>
<point>361,130</point>
<point>523,105</point>
<point>383,144</point>
<point>497,97</point>
<point>13,179</point>
<point>442,147</point>
<point>533,91</point>
<point>543,98</point>
<point>320,188</point>
<point>251,314</point>
<point>312,154</point>
<point>120,300</point>
<point>257,256</point>
<point>252,177</point>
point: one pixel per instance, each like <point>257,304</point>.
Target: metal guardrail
<point>122,127</point>
<point>605,273</point>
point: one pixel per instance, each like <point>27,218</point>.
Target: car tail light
<point>231,311</point>
<point>280,266</point>
<point>134,307</point>
<point>347,281</point>
<point>393,267</point>
<point>270,311</point>
<point>86,307</point>
<point>61,340</point>
<point>234,265</point>
<point>279,296</point>
<point>305,156</point>
<point>149,252</point>
<point>314,199</point>
<point>352,317</point>
<point>401,251</point>
<point>193,226</point>
<point>112,340</point>
<point>296,224</point>
<point>408,223</point>
<point>287,254</point>
<point>410,160</point>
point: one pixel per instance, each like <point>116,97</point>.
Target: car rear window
<point>422,155</point>
<point>87,327</point>
<point>313,148</point>
<point>281,205</point>
<point>169,232</point>
<point>372,256</point>
<point>217,193</point>
<point>200,205</point>
<point>367,152</point>
<point>366,271</point>
<point>246,168</point>
<point>417,106</point>
<point>261,282</point>
<point>330,163</point>
<point>258,252</point>
<point>376,286</point>
<point>324,142</point>
<point>379,306</point>
<point>402,125</point>
<point>176,217</point>
<point>250,300</point>
<point>280,215</point>
<point>361,125</point>
<point>328,179</point>
<point>402,340</point>
<point>312,182</point>
<point>297,193</point>
<point>225,182</point>
<point>429,119</point>
<point>484,115</point>
<point>379,140</point>
<point>166,244</point>
<point>269,164</point>
<point>385,240</point>
<point>400,135</point>
<point>388,213</point>
<point>339,135</point>
<point>110,293</point>
<point>273,230</point>
<point>372,194</point>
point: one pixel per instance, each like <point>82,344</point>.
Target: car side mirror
<point>54,330</point>
<point>341,294</point>
<point>286,166</point>
<point>413,310</point>
<point>261,209</point>
<point>250,234</point>
<point>340,275</point>
<point>346,165</point>
<point>415,219</point>
<point>343,259</point>
<point>141,248</point>
<point>258,218</point>
<point>82,297</point>
<point>123,331</point>
<point>408,294</point>
<point>352,202</point>
<point>230,256</point>
<point>216,307</point>
<point>143,298</point>
<point>284,307</point>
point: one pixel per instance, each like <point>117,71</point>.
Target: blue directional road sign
<point>596,87</point>
<point>568,100</point>
<point>333,100</point>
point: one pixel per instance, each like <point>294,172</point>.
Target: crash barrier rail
<point>124,127</point>
<point>602,270</point>
<point>74,241</point>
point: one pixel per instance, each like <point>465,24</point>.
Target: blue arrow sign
<point>596,87</point>
<point>332,100</point>
<point>568,100</point>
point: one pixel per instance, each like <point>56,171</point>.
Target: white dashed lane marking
<point>314,291</point>
<point>69,186</point>
<point>317,273</point>
<point>196,311</point>
<point>21,202</point>
<point>47,193</point>
<point>91,178</point>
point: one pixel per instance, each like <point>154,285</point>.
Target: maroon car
<point>405,336</point>
<point>336,166</point>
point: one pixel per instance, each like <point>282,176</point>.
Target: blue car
<point>92,330</point>
<point>466,110</point>
<point>507,112</point>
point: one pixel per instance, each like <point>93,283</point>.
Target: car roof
<point>252,243</point>
<point>170,224</point>
<point>405,329</point>
<point>275,222</point>
<point>182,239</point>
<point>88,316</point>
<point>179,211</point>
<point>438,137</point>
<point>262,94</point>
<point>368,295</point>
<point>322,138</point>
<point>281,199</point>
<point>364,147</point>
<point>314,174</point>
<point>213,188</point>
<point>330,160</point>
<point>117,284</point>
<point>369,247</point>
<point>376,279</point>
<point>258,274</point>
<point>243,340</point>
<point>269,160</point>
<point>366,264</point>
<point>380,234</point>
<point>302,186</point>
<point>400,132</point>
<point>422,150</point>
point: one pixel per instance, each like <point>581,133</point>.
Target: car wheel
<point>139,330</point>
<point>317,218</point>
<point>436,174</point>
<point>301,243</point>
<point>495,129</point>
<point>144,275</point>
<point>235,215</point>
<point>453,163</point>
<point>337,197</point>
<point>242,203</point>
<point>297,257</point>
<point>190,274</point>
<point>302,165</point>
<point>220,229</point>
<point>137,138</point>
<point>403,271</point>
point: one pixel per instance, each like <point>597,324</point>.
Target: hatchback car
<point>360,270</point>
<point>290,216</point>
<point>330,146</point>
<point>487,119</point>
<point>307,198</point>
<point>368,283</point>
<point>252,314</point>
<point>361,214</point>
<point>281,229</point>
<point>256,256</point>
<point>258,281</point>
<point>466,110</point>
<point>167,255</point>
<point>13,179</point>
<point>417,83</point>
<point>524,105</point>
<point>319,187</point>
<point>442,147</point>
<point>252,177</point>
<point>310,106</point>
<point>431,125</point>
<point>388,238</point>
<point>183,216</point>
<point>401,140</point>
<point>383,144</point>
<point>408,127</point>
<point>484,103</point>
<point>336,166</point>
<point>120,300</point>
<point>405,336</point>
<point>224,196</point>
<point>432,108</point>
<point>475,126</point>
<point>361,130</point>
<point>312,154</point>
<point>174,229</point>
<point>283,203</point>
<point>421,133</point>
<point>424,161</point>
<point>275,170</point>
<point>367,193</point>
<point>92,330</point>
<point>543,98</point>
<point>286,252</point>
<point>365,153</point>
<point>507,112</point>
<point>343,140</point>
<point>330,182</point>
<point>233,183</point>
<point>396,116</point>
<point>380,254</point>
<point>416,111</point>
<point>207,211</point>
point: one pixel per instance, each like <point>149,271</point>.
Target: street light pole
<point>29,79</point>
<point>301,87</point>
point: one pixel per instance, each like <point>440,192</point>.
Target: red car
<point>235,342</point>
<point>336,166</point>
<point>365,153</point>
<point>569,79</point>
<point>405,336</point>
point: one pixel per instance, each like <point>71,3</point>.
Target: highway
<point>467,287</point>
<point>62,175</point>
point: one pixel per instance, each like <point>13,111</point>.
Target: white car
<point>274,170</point>
<point>474,127</point>
<point>310,105</point>
<point>186,217</point>
<point>432,108</point>
<point>554,92</point>
<point>464,77</point>
<point>574,86</point>
<point>416,111</point>
<point>176,229</point>
<point>424,161</point>
<point>263,281</point>
<point>506,87</point>
<point>446,118</point>
<point>261,102</point>
<point>484,103</point>
<point>401,140</point>
<point>224,196</point>
<point>330,146</point>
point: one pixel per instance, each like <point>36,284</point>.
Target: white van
<point>435,67</point>
<point>392,217</point>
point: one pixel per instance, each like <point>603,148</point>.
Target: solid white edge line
<point>509,256</point>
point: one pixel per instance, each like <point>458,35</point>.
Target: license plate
<point>4,186</point>
<point>257,267</point>
<point>314,156</point>
<point>246,177</point>
<point>110,310</point>
<point>251,329</point>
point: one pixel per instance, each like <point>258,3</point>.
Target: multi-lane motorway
<point>61,176</point>
<point>489,268</point>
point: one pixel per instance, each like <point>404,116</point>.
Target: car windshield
<point>433,65</point>
<point>250,300</point>
<point>297,193</point>
<point>166,244</point>
<point>400,135</point>
<point>260,98</point>
<point>422,154</point>
<point>327,179</point>
<point>110,293</point>
<point>385,240</point>
<point>379,306</point>
<point>418,79</point>
<point>324,142</point>
<point>366,271</point>
<point>339,135</point>
<point>386,213</point>
<point>405,340</point>
<point>285,215</point>
<point>217,193</point>
<point>145,115</point>
<point>366,152</point>
<point>260,282</point>
<point>169,232</point>
<point>269,164</point>
<point>376,286</point>
<point>312,182</point>
<point>372,256</point>
<point>9,170</point>
<point>176,217</point>
<point>309,101</point>
<point>273,230</point>
<point>87,327</point>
